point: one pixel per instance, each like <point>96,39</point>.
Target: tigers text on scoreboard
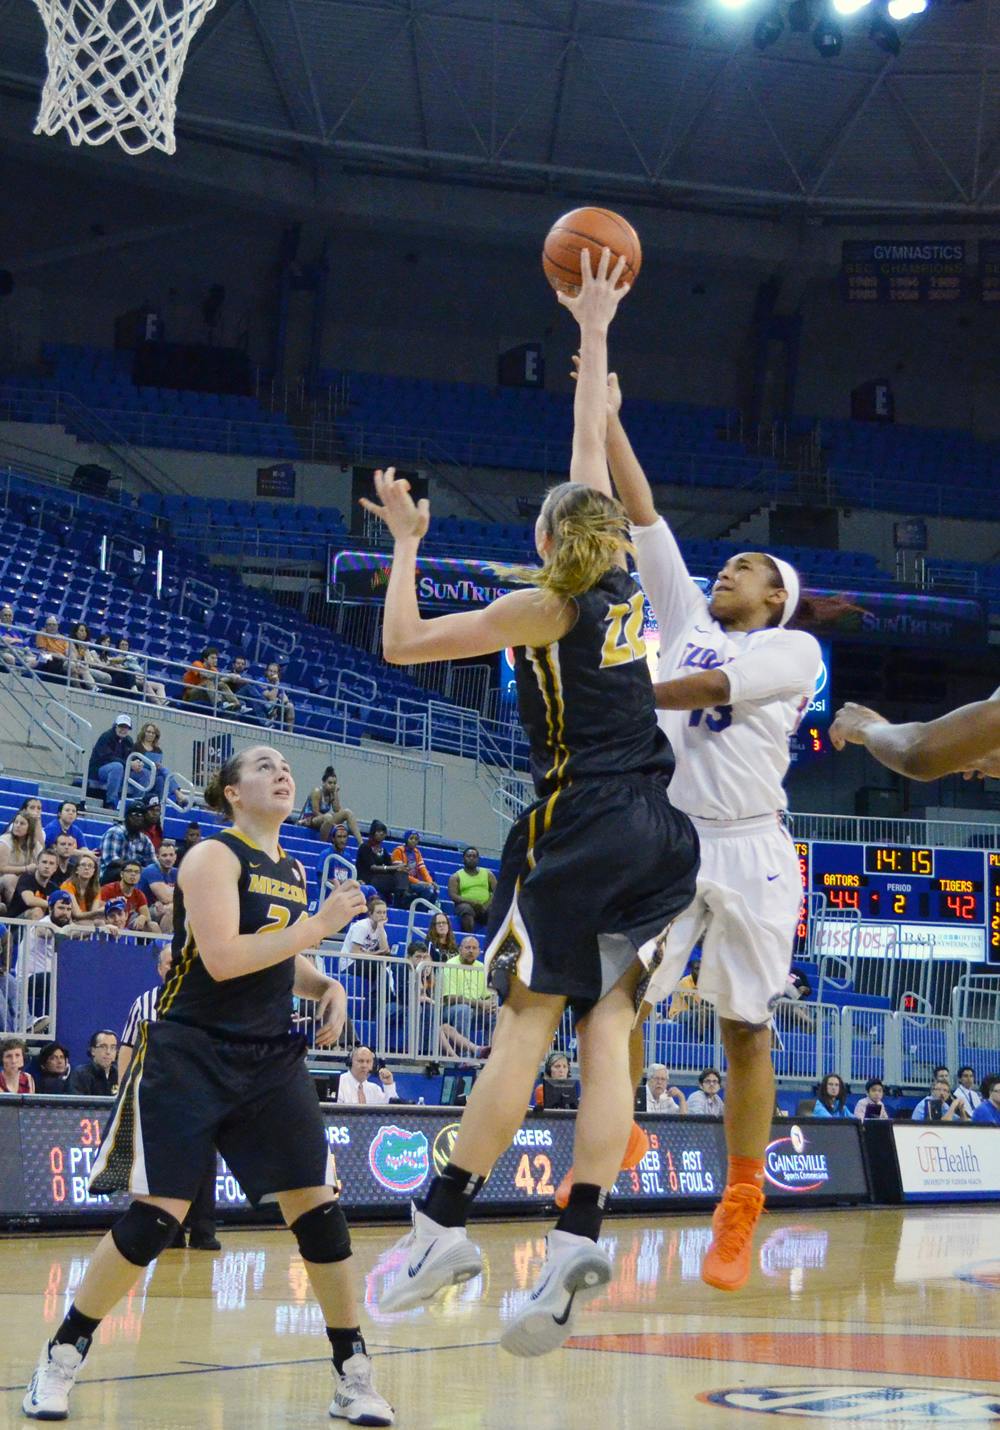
<point>947,898</point>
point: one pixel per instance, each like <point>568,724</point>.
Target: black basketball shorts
<point>587,877</point>
<point>187,1090</point>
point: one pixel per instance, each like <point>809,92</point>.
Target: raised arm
<point>526,617</point>
<point>208,880</point>
<point>962,740</point>
<point>593,307</point>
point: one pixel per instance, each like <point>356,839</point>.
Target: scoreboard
<point>950,897</point>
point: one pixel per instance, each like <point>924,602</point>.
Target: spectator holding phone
<point>873,1102</point>
<point>942,1105</point>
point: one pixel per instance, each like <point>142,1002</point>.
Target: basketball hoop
<point>114,68</point>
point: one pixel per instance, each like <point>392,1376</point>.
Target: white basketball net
<point>114,68</point>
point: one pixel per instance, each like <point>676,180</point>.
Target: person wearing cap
<point>106,768</point>
<point>734,681</point>
<point>116,919</point>
<point>421,885</point>
<point>126,891</point>
<point>38,943</point>
<point>128,840</point>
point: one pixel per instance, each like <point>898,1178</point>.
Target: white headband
<point>790,581</point>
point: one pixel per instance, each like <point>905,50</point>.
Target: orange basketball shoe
<point>638,1146</point>
<point>727,1261</point>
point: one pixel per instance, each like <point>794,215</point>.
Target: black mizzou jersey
<point>586,701</point>
<point>258,1005</point>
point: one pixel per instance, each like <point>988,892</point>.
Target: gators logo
<point>399,1158</point>
<point>444,1146</point>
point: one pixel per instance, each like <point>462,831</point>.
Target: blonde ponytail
<point>590,534</point>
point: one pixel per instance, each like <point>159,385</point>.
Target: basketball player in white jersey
<point>734,683</point>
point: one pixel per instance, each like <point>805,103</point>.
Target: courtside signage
<point>945,1161</point>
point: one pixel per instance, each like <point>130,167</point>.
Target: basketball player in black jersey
<point>220,1068</point>
<point>581,884</point>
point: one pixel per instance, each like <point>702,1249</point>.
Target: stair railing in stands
<point>67,734</point>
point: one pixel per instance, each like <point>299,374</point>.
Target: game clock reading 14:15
<point>893,884</point>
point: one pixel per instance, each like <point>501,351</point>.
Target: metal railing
<point>910,833</point>
<point>67,735</point>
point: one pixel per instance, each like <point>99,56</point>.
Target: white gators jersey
<point>731,760</point>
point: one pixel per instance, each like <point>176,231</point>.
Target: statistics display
<point>902,271</point>
<point>915,891</point>
<point>384,1156</point>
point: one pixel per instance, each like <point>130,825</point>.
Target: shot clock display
<point>914,889</point>
<point>386,1155</point>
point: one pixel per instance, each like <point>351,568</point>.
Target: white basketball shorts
<point>744,915</point>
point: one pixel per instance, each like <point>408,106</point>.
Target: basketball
<point>594,229</point>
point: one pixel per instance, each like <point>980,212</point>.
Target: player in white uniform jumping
<point>734,683</point>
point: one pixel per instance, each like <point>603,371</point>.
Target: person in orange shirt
<point>202,684</point>
<point>54,648</point>
<point>421,886</point>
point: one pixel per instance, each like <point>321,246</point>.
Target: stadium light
<point>768,29</point>
<point>828,38</point>
<point>734,4</point>
<point>851,7</point>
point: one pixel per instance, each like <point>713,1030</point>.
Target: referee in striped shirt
<point>200,1220</point>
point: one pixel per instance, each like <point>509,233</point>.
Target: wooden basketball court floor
<point>858,1317</point>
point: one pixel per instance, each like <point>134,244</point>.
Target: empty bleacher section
<point>145,416</point>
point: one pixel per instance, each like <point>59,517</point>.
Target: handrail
<point>325,882</point>
<point>44,711</point>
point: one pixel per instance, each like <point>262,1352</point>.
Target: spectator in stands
<point>942,1105</point>
<point>13,1077</point>
<point>129,665</point>
<point>966,1088</point>
<point>86,665</point>
<point>53,1070</point>
<point>108,758</point>
<point>657,1095</point>
<point>942,1074</point>
<point>356,1089</point>
<point>115,918</point>
<point>245,688</point>
<point>471,890</point>
<point>99,1076</point>
<point>85,888</point>
<point>203,685</point>
<point>707,1100</point>
<point>37,948</point>
<point>18,854</point>
<point>279,709</point>
<point>988,1110</point>
<point>441,939</point>
<point>420,884</point>
<point>53,650</point>
<point>548,1093</point>
<point>831,1097</point>
<point>158,881</point>
<point>13,647</point>
<point>148,745</point>
<point>31,893</point>
<point>872,1105</point>
<point>465,995</point>
<point>375,866</point>
<point>367,935</point>
<point>191,837</point>
<point>66,846</point>
<point>686,1006</point>
<point>126,887</point>
<point>128,840</point>
<point>324,809</point>
<point>66,817</point>
<point>339,839</point>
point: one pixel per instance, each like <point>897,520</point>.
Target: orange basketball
<point>594,229</point>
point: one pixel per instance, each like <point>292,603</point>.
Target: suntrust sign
<point>948,1162</point>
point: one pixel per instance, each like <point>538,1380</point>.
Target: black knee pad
<point>143,1232</point>
<point>323,1234</point>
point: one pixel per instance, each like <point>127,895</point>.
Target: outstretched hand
<point>614,388</point>
<point>396,508</point>
<point>850,724</point>
<point>597,301</point>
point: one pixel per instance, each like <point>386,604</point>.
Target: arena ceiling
<point>665,103</point>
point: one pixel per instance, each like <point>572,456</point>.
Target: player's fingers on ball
<point>586,268</point>
<point>603,264</point>
<point>617,271</point>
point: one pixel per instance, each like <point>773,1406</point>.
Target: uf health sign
<point>946,1162</point>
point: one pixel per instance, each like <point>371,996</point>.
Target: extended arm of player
<point>521,618</point>
<point>783,667</point>
<point>927,750</point>
<point>208,880</point>
<point>589,462</point>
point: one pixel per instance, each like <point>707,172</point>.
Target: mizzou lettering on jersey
<point>276,889</point>
<point>586,701</point>
<point>272,895</point>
